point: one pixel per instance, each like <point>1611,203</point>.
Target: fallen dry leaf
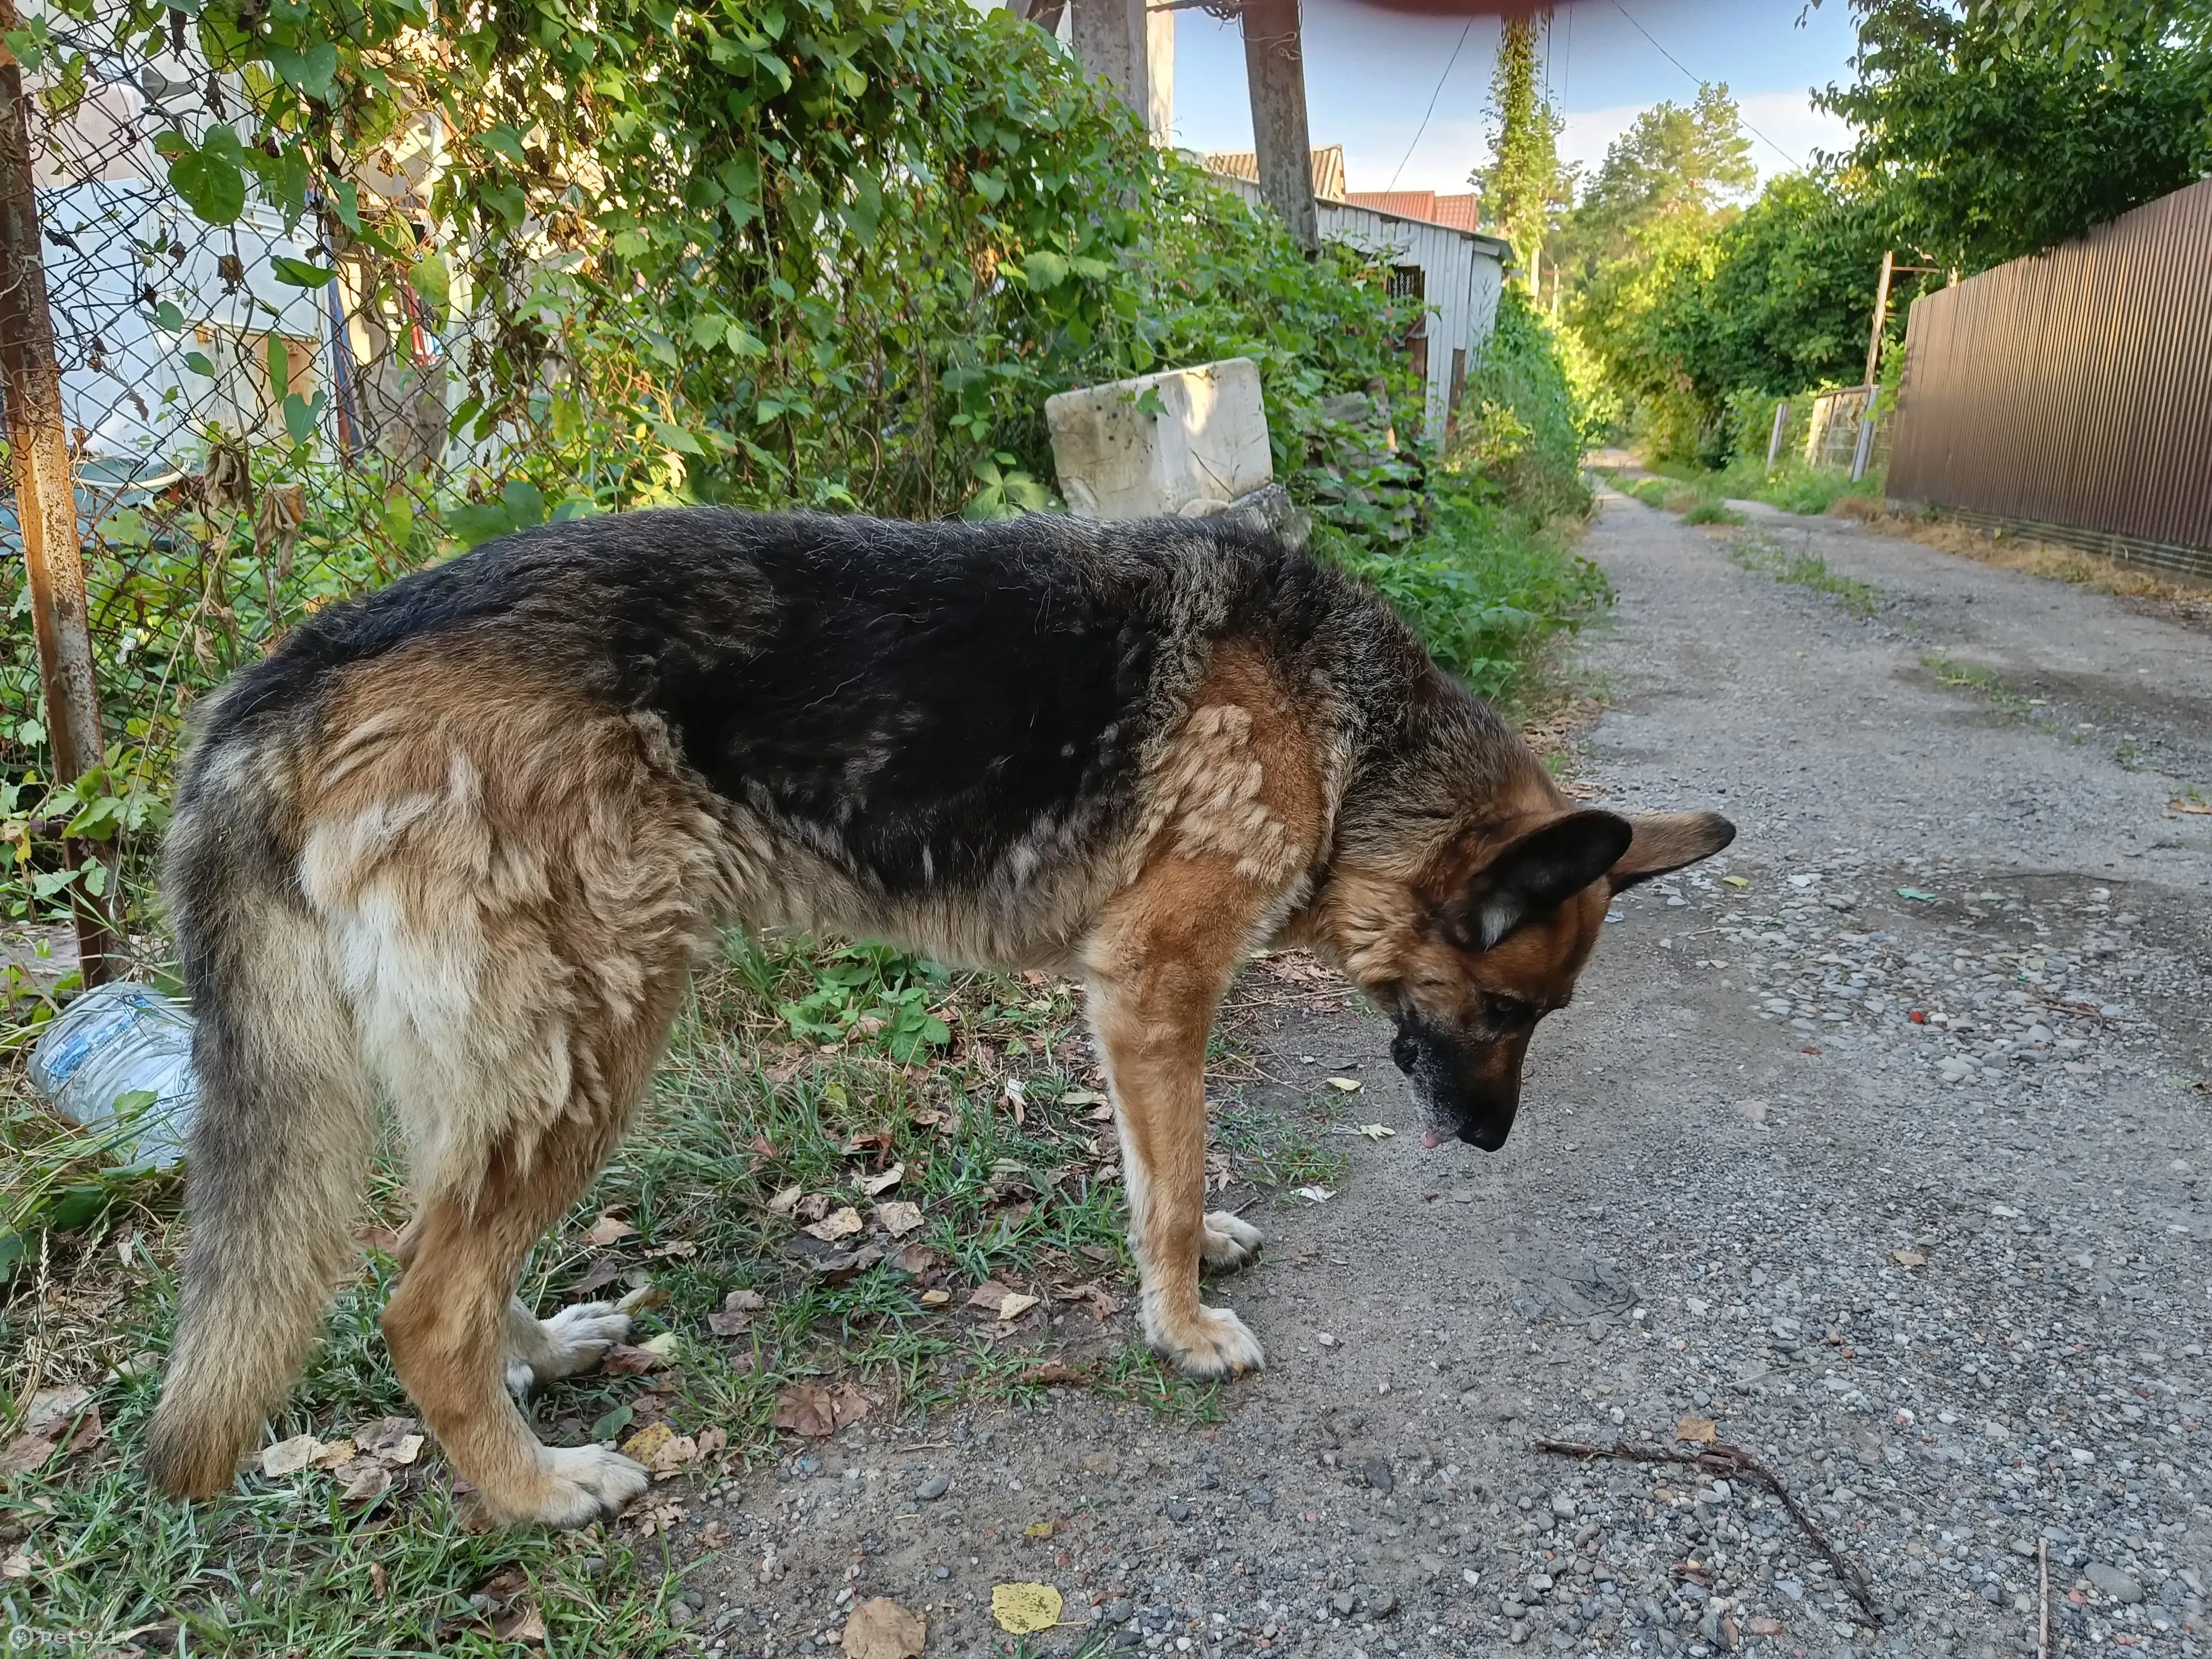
<point>914,1259</point>
<point>1024,1609</point>
<point>898,1218</point>
<point>22,1561</point>
<point>44,1425</point>
<point>935,1299</point>
<point>988,1295</point>
<point>811,1410</point>
<point>664,1345</point>
<point>523,1624</point>
<point>1737,881</point>
<point>289,1456</point>
<point>880,1628</point>
<point>1014,1304</point>
<point>1702,1430</point>
<point>1053,1372</point>
<point>736,1313</point>
<point>336,1452</point>
<point>1349,1085</point>
<point>603,1272</point>
<point>607,1230</point>
<point>394,1440</point>
<point>1041,1528</point>
<point>839,1223</point>
<point>623,1360</point>
<point>787,1201</point>
<point>812,1207</point>
<point>682,1247</point>
<point>362,1480</point>
<point>1377,1131</point>
<point>1083,1097</point>
<point>661,1450</point>
<point>882,1183</point>
<point>1908,1258</point>
<point>1315,1194</point>
<point>2182,804</point>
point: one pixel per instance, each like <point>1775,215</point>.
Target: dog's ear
<point>1534,872</point>
<point>1667,841</point>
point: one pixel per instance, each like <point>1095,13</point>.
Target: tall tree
<point>1523,181</point>
<point>1676,169</point>
<point>2004,129</point>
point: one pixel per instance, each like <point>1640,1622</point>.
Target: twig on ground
<point>1723,1459</point>
<point>2042,1601</point>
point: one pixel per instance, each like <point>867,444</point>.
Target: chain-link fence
<point>255,426</point>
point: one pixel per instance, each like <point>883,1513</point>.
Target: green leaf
<point>525,504</point>
<point>677,439</point>
<point>1150,403</point>
<point>298,273</point>
<point>169,316</point>
<point>478,522</point>
<point>345,197</point>
<point>428,278</point>
<point>1044,270</point>
<point>197,362</point>
<point>209,183</point>
<point>504,141</point>
<point>301,416</point>
<point>309,69</point>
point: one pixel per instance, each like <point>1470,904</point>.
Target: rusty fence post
<point>45,495</point>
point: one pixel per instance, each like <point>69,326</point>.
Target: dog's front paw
<point>1213,1345</point>
<point>574,1340</point>
<point>581,1485</point>
<point>1230,1241</point>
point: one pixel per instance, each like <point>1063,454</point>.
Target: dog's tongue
<point>1429,1139</point>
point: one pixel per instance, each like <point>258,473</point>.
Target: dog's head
<point>1468,957</point>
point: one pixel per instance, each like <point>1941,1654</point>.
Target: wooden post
<point>1881,316</point>
<point>1276,69</point>
<point>1774,439</point>
<point>45,492</point>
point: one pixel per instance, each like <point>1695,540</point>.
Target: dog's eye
<point>1507,1011</point>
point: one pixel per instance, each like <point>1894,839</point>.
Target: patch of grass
<point>800,1080</point>
<point>1803,569</point>
<point>1712,512</point>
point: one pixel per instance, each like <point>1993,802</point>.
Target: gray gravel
<point>1889,1161</point>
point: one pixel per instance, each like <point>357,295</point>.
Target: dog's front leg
<point>1158,968</point>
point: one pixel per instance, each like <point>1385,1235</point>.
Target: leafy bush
<point>1519,423</point>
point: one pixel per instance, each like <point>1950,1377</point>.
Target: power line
<point>1431,110</point>
<point>1702,84</point>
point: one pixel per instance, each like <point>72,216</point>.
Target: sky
<point>1371,76</point>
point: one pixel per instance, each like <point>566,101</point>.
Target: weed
<point>1711,511</point>
<point>1803,569</point>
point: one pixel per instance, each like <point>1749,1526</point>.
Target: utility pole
<point>1133,46</point>
<point>1275,68</point>
<point>45,492</point>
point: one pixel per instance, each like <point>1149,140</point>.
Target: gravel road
<point>1878,1144</point>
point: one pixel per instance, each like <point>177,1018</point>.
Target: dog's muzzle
<point>1458,1098</point>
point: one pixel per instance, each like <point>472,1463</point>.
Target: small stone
<point>1178,1511</point>
<point>593,1566</point>
<point>1121,1611</point>
<point>1563,1506</point>
<point>1344,1602</point>
<point>1992,1595</point>
<point>1260,1498</point>
<point>1376,1473</point>
<point>933,1488</point>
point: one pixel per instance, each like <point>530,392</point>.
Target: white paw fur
<point>1217,1344</point>
<point>1230,1241</point>
<point>585,1483</point>
<point>573,1341</point>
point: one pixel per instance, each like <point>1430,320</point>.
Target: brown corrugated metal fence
<point>2071,391</point>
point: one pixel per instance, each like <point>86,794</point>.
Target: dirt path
<point>1878,1143</point>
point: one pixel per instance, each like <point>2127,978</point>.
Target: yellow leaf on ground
<point>935,1299</point>
<point>607,1230</point>
<point>1083,1097</point>
<point>1026,1609</point>
<point>289,1456</point>
<point>898,1218</point>
<point>1737,881</point>
<point>1349,1085</point>
<point>664,1345</point>
<point>1377,1131</point>
<point>1701,1430</point>
<point>880,1628</point>
<point>838,1224</point>
<point>1016,1304</point>
<point>1041,1528</point>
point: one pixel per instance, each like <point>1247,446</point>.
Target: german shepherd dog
<point>460,841</point>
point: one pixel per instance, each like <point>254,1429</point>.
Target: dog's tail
<point>278,1148</point>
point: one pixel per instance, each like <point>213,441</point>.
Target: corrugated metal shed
<point>2073,388</point>
<point>1462,274</point>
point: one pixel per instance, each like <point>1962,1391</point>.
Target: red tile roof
<point>1458,212</point>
